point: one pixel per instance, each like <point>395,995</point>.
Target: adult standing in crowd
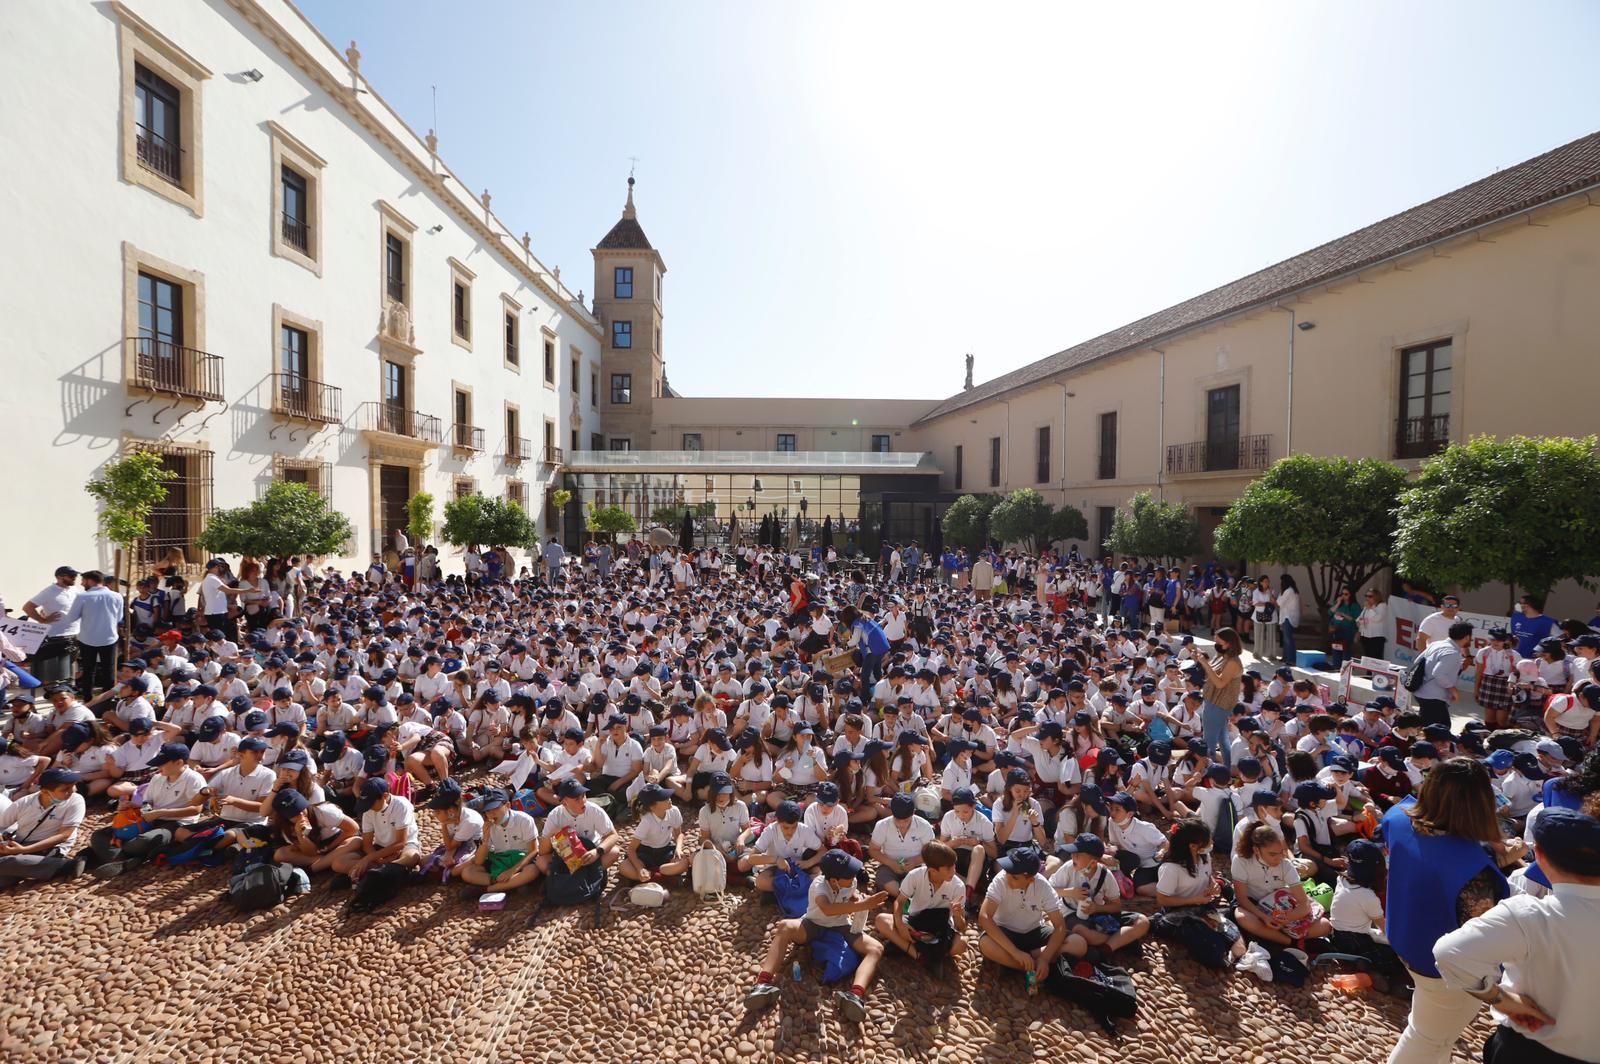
<point>1533,960</point>
<point>1288,615</point>
<point>97,613</point>
<point>1436,625</point>
<point>1224,679</point>
<point>1445,854</point>
<point>57,656</point>
<point>1373,624</point>
<point>1442,663</point>
<point>215,596</point>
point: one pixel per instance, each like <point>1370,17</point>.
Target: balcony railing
<point>1215,456</point>
<point>301,397</point>
<point>519,449</point>
<point>158,155</point>
<point>553,456</point>
<point>1418,437</point>
<point>467,437</point>
<point>400,421</point>
<point>396,288</point>
<point>297,234</point>
<point>161,366</point>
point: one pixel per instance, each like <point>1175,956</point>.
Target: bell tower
<point>627,300</point>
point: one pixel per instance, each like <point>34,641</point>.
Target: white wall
<point>66,213</point>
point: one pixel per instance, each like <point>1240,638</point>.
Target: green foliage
<point>288,519</point>
<point>1335,516</point>
<point>1523,511</point>
<point>561,496</point>
<point>1024,517</point>
<point>966,523</point>
<point>492,522</point>
<point>419,518</point>
<point>610,519</point>
<point>671,516</point>
<point>128,490</point>
<point>1149,528</point>
<point>1068,522</point>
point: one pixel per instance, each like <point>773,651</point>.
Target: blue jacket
<point>1426,874</point>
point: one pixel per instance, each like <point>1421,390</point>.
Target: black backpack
<point>1105,992</point>
<point>574,888</point>
<point>261,886</point>
<point>1416,674</point>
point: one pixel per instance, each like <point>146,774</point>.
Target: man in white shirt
<point>1436,625</point>
<point>215,596</point>
<point>1532,960</point>
<point>57,657</point>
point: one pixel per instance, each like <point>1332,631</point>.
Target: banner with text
<point>1406,616</point>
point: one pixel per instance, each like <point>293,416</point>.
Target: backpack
<point>261,886</point>
<point>793,892</point>
<point>1105,992</point>
<point>835,953</point>
<point>1416,674</point>
<point>380,886</point>
<point>196,847</point>
<point>574,888</point>
<point>708,873</point>
<point>929,802</point>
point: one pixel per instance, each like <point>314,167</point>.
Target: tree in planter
<point>1163,532</point>
<point>128,490</point>
<point>610,520</point>
<point>966,523</point>
<point>1334,516</point>
<point>288,519</point>
<point>1521,510</point>
<point>419,518</point>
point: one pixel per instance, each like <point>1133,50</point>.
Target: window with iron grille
<point>1424,422</point>
<point>318,476</point>
<point>517,492</point>
<point>1042,458</point>
<point>181,516</point>
<point>296,214</point>
<point>994,461</point>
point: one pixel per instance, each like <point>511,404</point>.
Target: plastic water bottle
<point>796,972</point>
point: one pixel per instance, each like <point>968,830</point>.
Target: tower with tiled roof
<point>627,300</point>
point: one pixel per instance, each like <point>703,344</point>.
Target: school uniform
<point>591,824</point>
<point>1022,914</point>
<point>797,847</point>
<point>395,822</point>
<point>816,920</point>
<point>28,820</point>
<point>657,837</point>
<point>250,787</point>
<point>724,826</point>
<point>899,843</point>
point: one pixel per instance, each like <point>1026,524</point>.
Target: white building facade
<point>226,247</point>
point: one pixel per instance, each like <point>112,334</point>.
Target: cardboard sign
<point>26,634</point>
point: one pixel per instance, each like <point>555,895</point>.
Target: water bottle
<point>796,972</point>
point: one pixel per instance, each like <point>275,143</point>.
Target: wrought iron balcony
<point>467,437</point>
<point>297,234</point>
<point>398,420</point>
<point>1220,455</point>
<point>160,366</point>
<point>294,396</point>
<point>519,449</point>
<point>553,456</point>
<point>1419,437</point>
<point>158,155</point>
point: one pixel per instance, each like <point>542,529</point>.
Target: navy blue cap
<point>789,813</point>
<point>1024,861</point>
<point>371,792</point>
<point>58,777</point>
<point>1092,845</point>
<point>962,796</point>
<point>836,864</point>
<point>1569,839</point>
<point>290,802</point>
<point>252,742</point>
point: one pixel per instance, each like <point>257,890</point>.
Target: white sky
<point>850,196</point>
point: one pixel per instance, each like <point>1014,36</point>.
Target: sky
<point>849,197</point>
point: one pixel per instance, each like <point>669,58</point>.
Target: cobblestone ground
<point>155,966</point>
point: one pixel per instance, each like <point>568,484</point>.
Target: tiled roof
<point>625,235</point>
<point>1541,179</point>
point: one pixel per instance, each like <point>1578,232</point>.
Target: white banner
<point>24,633</point>
<point>1406,616</point>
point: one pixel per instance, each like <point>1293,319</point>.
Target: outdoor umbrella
<point>764,537</point>
<point>686,533</point>
<point>827,532</point>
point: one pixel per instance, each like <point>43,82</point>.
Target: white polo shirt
<point>917,889</point>
<point>31,822</point>
<point>657,831</point>
<point>773,844</point>
<point>902,844</point>
<point>618,760</point>
<point>231,783</point>
<point>397,820</point>
<point>822,890</point>
<point>179,793</point>
<point>592,822</point>
<point>514,831</point>
<point>980,827</point>
<point>1021,910</point>
<point>469,828</point>
<point>57,599</point>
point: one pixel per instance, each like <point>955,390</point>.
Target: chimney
<point>967,387</point>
